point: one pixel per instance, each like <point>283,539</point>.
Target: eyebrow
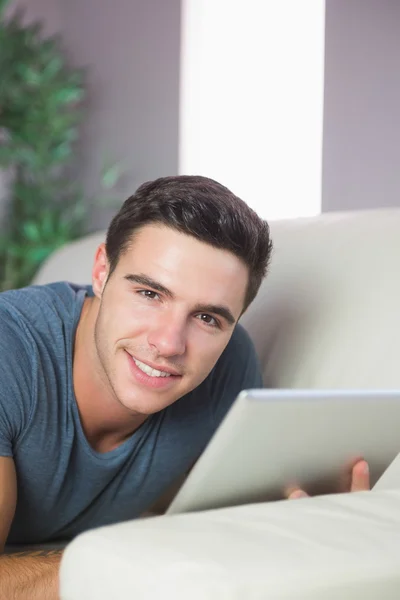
<point>216,309</point>
<point>149,282</point>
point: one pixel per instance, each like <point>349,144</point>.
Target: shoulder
<point>238,366</point>
<point>240,345</point>
<point>16,376</point>
<point>239,360</point>
<point>36,318</point>
<point>16,372</point>
<point>33,322</point>
<point>40,301</point>
<point>237,369</point>
<point>43,312</point>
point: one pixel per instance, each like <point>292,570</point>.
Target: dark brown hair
<point>199,207</point>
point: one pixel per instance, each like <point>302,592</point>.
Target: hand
<point>355,479</point>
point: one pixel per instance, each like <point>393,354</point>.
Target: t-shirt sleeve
<point>237,369</point>
<point>15,382</point>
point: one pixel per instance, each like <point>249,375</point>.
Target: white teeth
<point>149,371</point>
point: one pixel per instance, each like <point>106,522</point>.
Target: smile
<point>149,370</point>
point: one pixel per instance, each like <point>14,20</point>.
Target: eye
<point>208,320</point>
<point>149,294</point>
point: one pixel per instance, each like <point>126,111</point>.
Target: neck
<point>106,423</point>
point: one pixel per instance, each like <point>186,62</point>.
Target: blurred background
<point>293,104</point>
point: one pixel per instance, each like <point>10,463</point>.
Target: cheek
<point>123,320</point>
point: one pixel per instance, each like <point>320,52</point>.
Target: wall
<point>361,156</point>
<point>132,50</point>
<point>47,11</point>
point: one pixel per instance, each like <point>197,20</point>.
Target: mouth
<point>152,371</point>
<point>151,376</point>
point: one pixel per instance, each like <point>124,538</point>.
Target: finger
<point>360,477</point>
<point>298,494</point>
<point>346,476</point>
<point>294,494</point>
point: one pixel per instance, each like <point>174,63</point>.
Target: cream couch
<point>327,316</point>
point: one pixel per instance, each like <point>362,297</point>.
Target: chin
<point>144,406</point>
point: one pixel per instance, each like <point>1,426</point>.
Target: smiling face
<point>166,314</point>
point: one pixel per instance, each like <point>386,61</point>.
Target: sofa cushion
<point>327,316</point>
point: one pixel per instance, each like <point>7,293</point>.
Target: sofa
<point>328,317</point>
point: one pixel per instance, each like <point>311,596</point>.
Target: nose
<point>168,336</point>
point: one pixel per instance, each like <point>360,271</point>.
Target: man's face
<point>166,314</point>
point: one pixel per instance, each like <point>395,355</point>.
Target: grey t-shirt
<point>64,485</point>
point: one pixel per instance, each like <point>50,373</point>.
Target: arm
<point>30,575</point>
<point>26,575</point>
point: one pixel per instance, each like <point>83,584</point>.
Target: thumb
<point>360,477</point>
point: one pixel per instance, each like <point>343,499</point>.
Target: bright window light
<point>252,100</point>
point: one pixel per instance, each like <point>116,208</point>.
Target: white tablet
<point>273,439</point>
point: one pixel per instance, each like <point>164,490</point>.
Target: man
<point>109,393</point>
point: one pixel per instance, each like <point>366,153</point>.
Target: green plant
<point>40,111</point>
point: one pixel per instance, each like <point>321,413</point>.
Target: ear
<point>100,271</point>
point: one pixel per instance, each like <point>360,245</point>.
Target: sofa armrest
<point>342,546</point>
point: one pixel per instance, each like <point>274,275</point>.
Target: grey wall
<point>132,51</point>
<point>361,150</point>
<point>47,11</point>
